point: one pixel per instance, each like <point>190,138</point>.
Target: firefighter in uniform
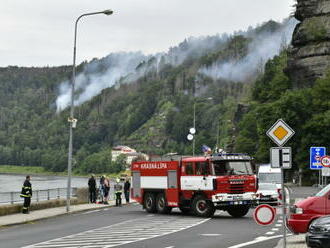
<point>118,191</point>
<point>26,193</point>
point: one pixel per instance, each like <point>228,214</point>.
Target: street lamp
<point>71,119</point>
<point>193,129</point>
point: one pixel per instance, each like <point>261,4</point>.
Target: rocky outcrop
<point>311,8</point>
<point>309,57</point>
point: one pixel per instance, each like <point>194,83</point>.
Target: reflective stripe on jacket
<point>118,188</point>
<point>26,189</point>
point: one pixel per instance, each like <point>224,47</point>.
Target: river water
<point>13,183</point>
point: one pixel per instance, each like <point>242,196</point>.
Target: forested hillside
<point>146,102</point>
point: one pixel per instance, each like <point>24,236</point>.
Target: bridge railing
<point>38,195</point>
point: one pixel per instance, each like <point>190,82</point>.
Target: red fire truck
<point>196,184</point>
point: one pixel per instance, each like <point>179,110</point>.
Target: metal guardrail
<point>38,195</point>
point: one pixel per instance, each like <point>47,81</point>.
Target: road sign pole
<point>283,199</point>
<point>280,133</point>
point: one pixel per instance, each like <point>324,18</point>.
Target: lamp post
<point>194,125</point>
<point>71,119</point>
<point>193,129</point>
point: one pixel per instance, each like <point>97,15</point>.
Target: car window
<point>189,169</point>
<point>270,177</point>
<point>323,191</point>
<point>202,168</point>
<point>267,186</point>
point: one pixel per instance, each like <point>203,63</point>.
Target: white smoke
<point>97,76</point>
<point>124,67</point>
<point>195,47</point>
<point>263,47</point>
<point>127,67</point>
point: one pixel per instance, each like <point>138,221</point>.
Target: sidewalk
<point>294,241</point>
<point>20,218</point>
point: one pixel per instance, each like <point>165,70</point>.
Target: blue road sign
<point>315,157</point>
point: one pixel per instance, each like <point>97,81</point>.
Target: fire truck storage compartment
<point>172,192</point>
<point>136,184</point>
<point>172,179</point>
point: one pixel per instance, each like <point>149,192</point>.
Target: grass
<point>22,169</point>
<point>38,170</point>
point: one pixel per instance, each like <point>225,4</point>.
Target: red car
<point>309,209</point>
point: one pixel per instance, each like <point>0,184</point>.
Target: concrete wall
<point>82,197</point>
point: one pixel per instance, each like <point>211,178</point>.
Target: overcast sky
<point>40,32</point>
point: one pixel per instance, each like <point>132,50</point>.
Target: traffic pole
<point>283,199</point>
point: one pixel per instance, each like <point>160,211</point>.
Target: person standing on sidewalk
<point>118,191</point>
<point>106,190</point>
<point>26,193</point>
<point>92,189</point>
<point>127,187</point>
<point>101,189</point>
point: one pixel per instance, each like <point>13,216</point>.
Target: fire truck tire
<point>150,202</point>
<point>238,211</point>
<point>161,205</point>
<point>202,207</point>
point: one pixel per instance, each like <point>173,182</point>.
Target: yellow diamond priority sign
<point>280,132</point>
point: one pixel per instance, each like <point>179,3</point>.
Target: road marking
<point>93,211</point>
<point>210,234</point>
<point>125,232</point>
<point>269,233</point>
<point>278,225</point>
<point>257,240</point>
<point>274,229</point>
<point>260,237</point>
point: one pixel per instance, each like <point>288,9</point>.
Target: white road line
<point>170,247</point>
<point>278,225</point>
<point>210,234</point>
<point>274,229</point>
<point>93,211</point>
<point>269,233</point>
<point>257,240</point>
<point>260,237</point>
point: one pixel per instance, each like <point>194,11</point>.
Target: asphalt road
<point>130,226</point>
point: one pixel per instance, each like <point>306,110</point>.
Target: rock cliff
<point>309,58</point>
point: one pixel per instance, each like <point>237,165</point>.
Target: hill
<point>145,101</point>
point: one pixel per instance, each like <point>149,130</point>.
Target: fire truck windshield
<point>222,168</point>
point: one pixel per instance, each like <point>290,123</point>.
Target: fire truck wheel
<point>202,207</point>
<point>150,203</point>
<point>161,206</point>
<point>238,211</point>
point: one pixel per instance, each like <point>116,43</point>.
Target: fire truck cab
<point>196,184</point>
